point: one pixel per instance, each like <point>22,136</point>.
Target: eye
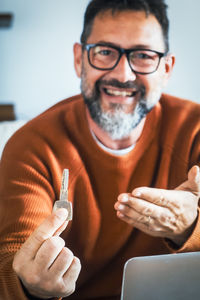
<point>102,51</point>
<point>143,55</point>
<point>105,52</point>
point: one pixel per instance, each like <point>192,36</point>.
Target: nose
<point>122,71</point>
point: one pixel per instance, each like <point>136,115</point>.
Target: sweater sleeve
<point>26,197</point>
<point>193,241</point>
<point>10,286</point>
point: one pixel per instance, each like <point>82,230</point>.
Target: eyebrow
<point>139,46</point>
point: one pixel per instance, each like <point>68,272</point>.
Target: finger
<point>62,228</point>
<point>137,205</point>
<point>194,179</point>
<point>142,210</point>
<point>192,184</point>
<point>62,262</point>
<point>48,252</point>
<point>159,197</point>
<point>135,216</point>
<point>194,174</point>
<point>70,277</point>
<point>151,226</point>
<point>154,196</point>
<point>73,271</point>
<point>140,222</point>
<point>46,230</point>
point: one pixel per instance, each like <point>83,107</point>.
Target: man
<point>133,157</point>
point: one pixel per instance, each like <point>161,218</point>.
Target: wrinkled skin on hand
<point>163,213</point>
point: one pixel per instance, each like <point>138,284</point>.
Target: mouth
<point>119,92</point>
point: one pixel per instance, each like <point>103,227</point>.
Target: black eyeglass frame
<point>121,52</point>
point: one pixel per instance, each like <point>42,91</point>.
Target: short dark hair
<point>158,8</point>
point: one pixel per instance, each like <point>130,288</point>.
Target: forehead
<point>127,29</point>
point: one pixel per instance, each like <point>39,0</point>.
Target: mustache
<point>117,84</point>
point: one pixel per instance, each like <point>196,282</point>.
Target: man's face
<point>119,99</point>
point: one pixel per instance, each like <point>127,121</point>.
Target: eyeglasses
<point>106,57</point>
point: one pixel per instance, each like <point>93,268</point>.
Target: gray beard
<point>116,123</point>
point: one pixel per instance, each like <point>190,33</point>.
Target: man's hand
<point>45,266</point>
<point>163,213</point>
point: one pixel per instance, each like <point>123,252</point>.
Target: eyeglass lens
<point>106,57</point>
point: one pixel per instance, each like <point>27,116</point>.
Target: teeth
<point>119,93</point>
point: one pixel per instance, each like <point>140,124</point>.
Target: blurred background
<point>36,52</point>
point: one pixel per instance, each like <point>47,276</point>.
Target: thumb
<point>49,227</point>
<point>193,182</point>
<point>194,179</point>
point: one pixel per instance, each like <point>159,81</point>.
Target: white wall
<point>36,58</point>
<point>184,18</point>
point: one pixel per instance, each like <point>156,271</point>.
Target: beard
<point>116,122</point>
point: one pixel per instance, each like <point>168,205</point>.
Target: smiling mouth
<point>120,93</point>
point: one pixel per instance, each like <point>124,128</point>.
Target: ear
<point>169,65</point>
<point>78,58</point>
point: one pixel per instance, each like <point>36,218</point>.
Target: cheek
<point>154,88</point>
<point>90,76</point>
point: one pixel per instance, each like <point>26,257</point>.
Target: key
<point>63,201</point>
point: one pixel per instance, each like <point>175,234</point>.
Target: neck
<point>106,140</point>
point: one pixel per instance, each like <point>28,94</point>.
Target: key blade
<point>64,185</point>
<point>65,179</point>
<point>63,201</point>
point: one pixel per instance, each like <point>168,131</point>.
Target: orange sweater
<point>30,178</point>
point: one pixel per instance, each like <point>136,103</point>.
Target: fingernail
<point>120,215</point>
<point>198,171</point>
<point>137,194</point>
<point>121,207</point>
<point>62,213</point>
<point>124,198</point>
<point>197,177</point>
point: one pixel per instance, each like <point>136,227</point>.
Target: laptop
<point>162,277</point>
